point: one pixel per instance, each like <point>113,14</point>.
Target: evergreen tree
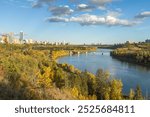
<point>138,93</point>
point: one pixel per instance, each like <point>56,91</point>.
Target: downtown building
<point>147,41</point>
<point>12,38</point>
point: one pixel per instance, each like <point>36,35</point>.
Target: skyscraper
<point>21,36</point>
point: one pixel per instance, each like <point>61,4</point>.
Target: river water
<point>130,74</point>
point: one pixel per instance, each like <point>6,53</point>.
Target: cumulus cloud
<point>40,3</point>
<point>74,13</point>
<point>36,5</point>
<point>101,3</point>
<point>57,19</point>
<point>143,15</point>
<point>114,13</point>
<point>88,19</point>
<point>61,10</point>
<point>85,7</point>
<point>113,21</point>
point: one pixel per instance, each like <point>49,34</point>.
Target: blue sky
<point>77,21</point>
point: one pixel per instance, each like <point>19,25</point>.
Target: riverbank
<point>29,73</point>
<point>55,54</point>
<point>131,75</point>
<point>136,55</point>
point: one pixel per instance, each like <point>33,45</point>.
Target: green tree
<point>138,93</point>
<point>102,84</point>
<point>59,78</point>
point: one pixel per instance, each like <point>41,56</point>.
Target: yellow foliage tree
<point>45,79</point>
<point>116,90</point>
<point>75,92</point>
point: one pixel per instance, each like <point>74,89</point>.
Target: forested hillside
<point>31,72</point>
<point>134,53</point>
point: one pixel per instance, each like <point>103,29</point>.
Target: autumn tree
<point>116,90</point>
<point>138,93</point>
<point>102,84</point>
<point>59,78</point>
<point>131,94</point>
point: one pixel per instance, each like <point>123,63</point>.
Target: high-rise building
<point>21,36</point>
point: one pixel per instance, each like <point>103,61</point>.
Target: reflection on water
<point>130,74</point>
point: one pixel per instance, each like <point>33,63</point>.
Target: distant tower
<point>21,36</point>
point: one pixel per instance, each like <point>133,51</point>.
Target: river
<point>130,74</point>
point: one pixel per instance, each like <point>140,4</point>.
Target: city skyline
<point>89,21</point>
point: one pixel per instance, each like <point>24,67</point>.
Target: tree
<point>131,94</point>
<point>138,93</point>
<point>102,84</point>
<point>59,78</point>
<point>116,90</point>
<point>13,76</point>
<point>75,92</point>
<point>45,79</point>
<point>91,86</point>
<point>102,75</point>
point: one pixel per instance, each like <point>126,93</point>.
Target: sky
<point>77,21</point>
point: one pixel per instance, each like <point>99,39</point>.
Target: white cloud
<point>101,2</point>
<point>61,10</point>
<point>68,13</point>
<point>57,19</point>
<point>36,5</point>
<point>143,15</point>
<point>85,7</point>
<point>114,13</point>
<point>113,21</point>
<point>88,19</point>
<point>40,3</point>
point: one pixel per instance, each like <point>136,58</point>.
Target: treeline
<point>30,74</point>
<point>63,47</point>
<point>139,54</point>
<point>57,51</point>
